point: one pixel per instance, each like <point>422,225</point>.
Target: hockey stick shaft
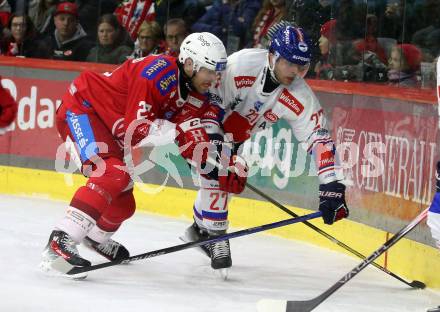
<point>75,270</point>
<point>415,284</point>
<point>309,305</point>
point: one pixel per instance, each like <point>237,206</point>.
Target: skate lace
<point>220,249</point>
<point>69,245</point>
<point>109,248</point>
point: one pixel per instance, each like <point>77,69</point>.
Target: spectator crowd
<point>381,41</point>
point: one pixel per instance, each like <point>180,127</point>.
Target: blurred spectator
<point>323,69</point>
<point>403,65</point>
<point>8,109</point>
<point>428,38</point>
<point>41,15</point>
<point>148,40</point>
<point>311,15</point>
<point>370,42</point>
<point>398,21</point>
<point>5,12</point>
<point>188,10</point>
<point>23,39</point>
<point>272,12</point>
<point>108,50</point>
<point>132,13</point>
<point>229,18</point>
<point>175,31</point>
<point>69,41</point>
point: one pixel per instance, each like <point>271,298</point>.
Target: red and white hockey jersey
<point>248,109</point>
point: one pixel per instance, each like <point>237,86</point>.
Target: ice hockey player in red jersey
<point>8,109</point>
<point>259,87</point>
<point>103,113</point>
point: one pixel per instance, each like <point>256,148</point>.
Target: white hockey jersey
<point>248,109</point>
<point>434,211</point>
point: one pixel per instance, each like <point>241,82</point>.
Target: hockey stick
<point>309,305</point>
<point>66,268</point>
<point>414,284</point>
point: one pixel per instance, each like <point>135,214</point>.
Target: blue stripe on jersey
<point>83,135</point>
<point>435,205</point>
<point>216,216</point>
<point>197,214</point>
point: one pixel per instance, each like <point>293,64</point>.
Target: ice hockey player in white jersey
<point>434,209</point>
<point>260,87</point>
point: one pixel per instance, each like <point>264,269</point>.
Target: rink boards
<point>408,258</point>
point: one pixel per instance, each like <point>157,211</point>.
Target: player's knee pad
<point>211,207</point>
<point>121,209</point>
<point>112,180</point>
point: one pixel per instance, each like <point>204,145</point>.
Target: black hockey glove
<point>332,202</point>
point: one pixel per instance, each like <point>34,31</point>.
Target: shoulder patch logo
<point>270,116</point>
<point>244,81</point>
<point>155,67</point>
<point>166,83</point>
<point>288,100</point>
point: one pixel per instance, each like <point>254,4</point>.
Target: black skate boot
<point>61,254</point>
<point>111,250</point>
<point>220,255</point>
<point>195,233</point>
<point>434,309</point>
<point>61,245</point>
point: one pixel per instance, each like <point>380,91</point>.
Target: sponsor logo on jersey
<point>195,101</point>
<point>167,82</point>
<point>288,100</point>
<point>244,81</point>
<point>270,116</point>
<point>151,70</point>
<point>215,99</point>
<point>258,105</point>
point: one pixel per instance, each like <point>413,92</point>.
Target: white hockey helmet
<point>205,50</point>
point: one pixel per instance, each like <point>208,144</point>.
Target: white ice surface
<point>263,267</point>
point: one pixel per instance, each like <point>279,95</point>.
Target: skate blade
<point>56,268</point>
<point>222,273</point>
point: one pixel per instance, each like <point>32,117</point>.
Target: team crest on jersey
<point>244,81</point>
<point>166,83</point>
<point>151,70</point>
<point>288,100</point>
<point>270,116</point>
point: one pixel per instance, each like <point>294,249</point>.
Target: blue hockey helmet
<point>292,44</point>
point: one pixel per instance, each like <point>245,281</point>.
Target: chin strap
<point>272,66</point>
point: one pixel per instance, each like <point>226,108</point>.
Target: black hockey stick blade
<point>72,270</point>
<point>309,305</point>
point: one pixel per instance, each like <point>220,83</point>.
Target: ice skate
<point>111,250</point>
<point>194,233</point>
<point>221,259</point>
<point>434,309</point>
<point>60,255</point>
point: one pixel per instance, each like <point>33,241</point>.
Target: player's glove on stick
<point>234,180</point>
<point>190,133</point>
<point>332,202</point>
